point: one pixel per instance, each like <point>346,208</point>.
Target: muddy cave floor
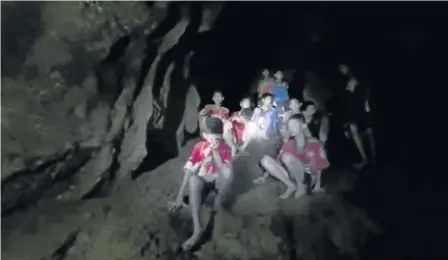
<point>135,223</point>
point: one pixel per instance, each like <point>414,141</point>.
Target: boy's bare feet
<point>191,242</point>
<point>299,193</point>
<point>289,191</point>
<point>260,180</point>
<point>319,190</point>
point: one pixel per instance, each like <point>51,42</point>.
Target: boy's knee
<point>266,160</point>
<point>287,158</point>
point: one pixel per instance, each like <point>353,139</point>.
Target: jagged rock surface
<point>49,52</point>
<point>96,77</point>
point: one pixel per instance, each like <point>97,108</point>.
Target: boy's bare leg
<point>318,184</point>
<point>274,168</point>
<point>196,187</point>
<point>359,145</point>
<point>371,139</point>
<point>295,167</point>
<point>222,185</point>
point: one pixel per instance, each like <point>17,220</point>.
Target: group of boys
<point>225,137</point>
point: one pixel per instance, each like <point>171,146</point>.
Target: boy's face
<point>245,103</point>
<point>343,69</point>
<point>218,97</point>
<point>265,73</point>
<point>294,105</point>
<point>294,127</point>
<point>267,101</point>
<point>310,110</point>
<point>278,75</point>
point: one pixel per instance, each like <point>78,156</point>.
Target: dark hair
<point>213,125</point>
<point>245,97</point>
<point>265,95</point>
<point>217,91</point>
<point>299,117</point>
<point>246,113</point>
<point>306,104</point>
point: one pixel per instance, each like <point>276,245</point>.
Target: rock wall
<point>89,80</point>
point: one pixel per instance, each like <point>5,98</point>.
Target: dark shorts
<point>362,120</point>
<point>208,193</point>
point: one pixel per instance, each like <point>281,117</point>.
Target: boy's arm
<point>223,160</point>
<point>324,129</point>
<point>205,111</point>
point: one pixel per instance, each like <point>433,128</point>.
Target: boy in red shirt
<point>239,120</point>
<point>218,111</point>
<point>300,155</point>
<point>208,168</point>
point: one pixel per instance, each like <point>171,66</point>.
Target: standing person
<point>300,155</point>
<point>357,115</point>
<point>317,123</point>
<point>208,168</point>
<point>266,83</point>
<point>217,110</point>
<point>280,93</point>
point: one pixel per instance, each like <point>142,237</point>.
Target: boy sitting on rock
<point>300,155</point>
<point>208,168</point>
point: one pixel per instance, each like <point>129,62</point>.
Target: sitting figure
<point>244,103</point>
<point>294,109</point>
<point>317,123</point>
<point>217,110</point>
<point>265,117</point>
<point>208,168</point>
<point>299,156</point>
<point>245,129</point>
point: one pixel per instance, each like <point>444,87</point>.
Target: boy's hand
<point>214,144</point>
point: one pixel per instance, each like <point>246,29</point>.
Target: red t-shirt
<point>202,153</point>
<point>313,155</point>
<point>238,126</point>
<point>214,111</point>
